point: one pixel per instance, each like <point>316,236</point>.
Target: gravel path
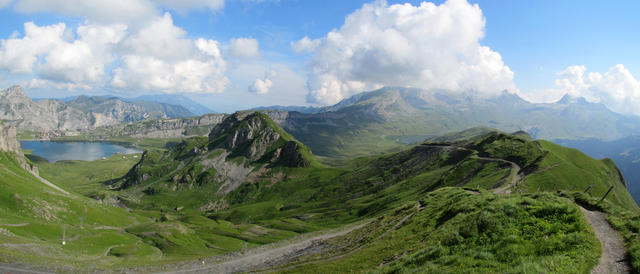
<point>613,258</point>
<point>261,257</point>
<point>515,168</point>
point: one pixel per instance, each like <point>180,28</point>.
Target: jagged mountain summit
<point>244,146</point>
<point>81,113</point>
<point>377,120</point>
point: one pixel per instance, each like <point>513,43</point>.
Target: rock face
<point>8,141</point>
<point>254,135</point>
<point>244,147</point>
<point>80,114</point>
<point>161,128</point>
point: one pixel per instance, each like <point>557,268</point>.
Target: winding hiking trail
<point>44,181</point>
<point>613,258</point>
<point>515,168</point>
<point>260,257</point>
<point>515,176</point>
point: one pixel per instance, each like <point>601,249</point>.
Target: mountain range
<point>80,113</point>
<point>476,200</point>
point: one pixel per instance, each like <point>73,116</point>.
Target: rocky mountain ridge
<point>245,146</point>
<point>82,113</point>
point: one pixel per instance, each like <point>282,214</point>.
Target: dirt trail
<point>613,258</point>
<point>515,168</point>
<point>44,181</point>
<point>259,257</point>
<point>515,176</point>
<point>15,225</point>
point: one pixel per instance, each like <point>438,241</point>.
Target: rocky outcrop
<point>9,143</point>
<point>255,136</point>
<point>80,114</point>
<point>291,155</point>
<point>160,128</point>
<point>244,147</point>
<point>8,140</point>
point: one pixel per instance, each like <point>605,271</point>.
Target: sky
<point>237,54</point>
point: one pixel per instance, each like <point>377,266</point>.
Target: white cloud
<point>40,83</point>
<point>4,3</point>
<point>114,11</point>
<point>83,60</point>
<point>244,47</point>
<point>305,45</point>
<point>161,39</point>
<point>18,55</point>
<point>157,57</point>
<point>428,46</point>
<point>617,88</point>
<point>184,6</point>
<point>47,50</point>
<point>160,58</point>
<point>262,86</point>
<point>100,11</point>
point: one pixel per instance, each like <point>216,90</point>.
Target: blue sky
<point>538,49</point>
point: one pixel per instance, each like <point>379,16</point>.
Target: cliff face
<point>8,141</point>
<point>80,114</point>
<point>161,128</point>
<point>255,136</point>
<point>244,147</point>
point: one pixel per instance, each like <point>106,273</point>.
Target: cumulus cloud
<point>160,57</point>
<point>244,47</point>
<point>618,89</point>
<point>47,49</point>
<point>427,46</point>
<point>305,45</point>
<point>262,86</point>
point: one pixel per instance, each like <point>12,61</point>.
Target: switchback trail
<point>613,258</point>
<point>515,168</point>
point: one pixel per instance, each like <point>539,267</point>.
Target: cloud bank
<point>157,57</point>
<point>427,46</point>
<point>617,88</point>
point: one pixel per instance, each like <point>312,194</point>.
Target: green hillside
<point>471,201</point>
<point>452,230</point>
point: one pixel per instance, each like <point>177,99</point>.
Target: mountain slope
<point>438,192</point>
<point>81,113</point>
<point>624,152</point>
<point>242,145</point>
<point>174,99</point>
<point>250,183</point>
<point>379,120</point>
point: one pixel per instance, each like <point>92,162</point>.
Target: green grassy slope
<point>567,169</point>
<point>456,231</point>
<point>34,216</point>
<point>178,211</point>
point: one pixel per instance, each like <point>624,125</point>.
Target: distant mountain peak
<point>14,91</point>
<point>570,99</point>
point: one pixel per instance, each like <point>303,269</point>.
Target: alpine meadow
<point>397,136</point>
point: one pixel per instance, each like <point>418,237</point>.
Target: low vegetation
<point>430,208</point>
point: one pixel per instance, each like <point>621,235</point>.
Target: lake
<point>86,151</point>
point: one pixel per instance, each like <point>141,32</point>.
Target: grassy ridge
<point>178,213</point>
<point>457,231</point>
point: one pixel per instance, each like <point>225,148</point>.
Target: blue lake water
<point>86,151</point>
